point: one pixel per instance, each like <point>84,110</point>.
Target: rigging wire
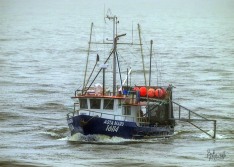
<point>157,63</point>
<point>125,60</point>
<point>119,69</point>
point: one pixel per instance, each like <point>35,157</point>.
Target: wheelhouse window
<point>119,103</point>
<point>83,104</point>
<point>95,103</point>
<point>127,110</point>
<point>108,104</point>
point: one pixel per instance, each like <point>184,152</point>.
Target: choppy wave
<point>41,65</point>
<point>103,139</point>
<point>96,139</point>
<point>14,163</point>
<point>9,116</point>
<point>193,135</point>
<point>62,134</point>
<point>51,134</point>
<point>54,133</point>
<point>211,132</point>
<point>46,106</point>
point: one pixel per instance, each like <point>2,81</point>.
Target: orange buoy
<point>136,88</point>
<point>143,91</point>
<point>158,93</point>
<point>151,92</point>
<point>164,92</point>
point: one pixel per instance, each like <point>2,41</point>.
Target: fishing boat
<point>129,111</point>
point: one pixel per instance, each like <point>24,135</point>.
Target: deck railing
<point>100,114</point>
<point>197,120</point>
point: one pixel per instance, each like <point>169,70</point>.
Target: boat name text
<point>115,123</point>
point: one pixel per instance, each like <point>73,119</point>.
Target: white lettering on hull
<point>112,128</point>
<point>116,123</point>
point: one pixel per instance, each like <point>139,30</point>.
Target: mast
<point>115,39</point>
<point>142,56</point>
<point>87,60</point>
<point>114,54</point>
<point>151,44</point>
<point>148,109</point>
<point>114,18</point>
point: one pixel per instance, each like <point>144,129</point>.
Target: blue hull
<point>89,125</point>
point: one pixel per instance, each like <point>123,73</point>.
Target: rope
<point>83,123</point>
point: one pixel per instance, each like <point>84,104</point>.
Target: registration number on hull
<point>112,126</point>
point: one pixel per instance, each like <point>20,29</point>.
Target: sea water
<point>43,50</point>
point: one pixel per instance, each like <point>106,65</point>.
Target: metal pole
<point>87,60</point>
<point>151,44</point>
<point>142,56</point>
<point>120,76</point>
<point>127,79</point>
<point>114,56</point>
<point>103,91</point>
<point>214,129</point>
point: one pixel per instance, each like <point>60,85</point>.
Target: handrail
<point>143,121</point>
<point>101,114</point>
<point>190,120</point>
<point>180,106</point>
